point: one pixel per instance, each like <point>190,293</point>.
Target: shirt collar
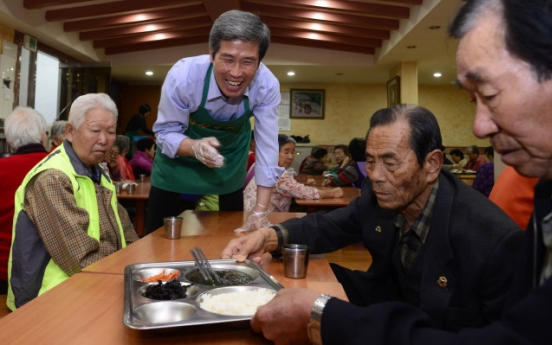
<point>421,225</point>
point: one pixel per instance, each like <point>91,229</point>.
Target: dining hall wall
<point>348,109</point>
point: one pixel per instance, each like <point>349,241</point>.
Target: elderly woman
<point>142,161</point>
<point>26,135</point>
<point>66,211</point>
<point>57,134</point>
<point>287,187</point>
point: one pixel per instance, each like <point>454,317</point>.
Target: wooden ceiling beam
<point>114,8</point>
<point>158,45</point>
<point>187,23</point>
<point>150,38</point>
<point>168,14</point>
<point>322,37</point>
<point>34,4</point>
<point>325,28</point>
<point>352,7</point>
<point>323,45</point>
<point>322,16</point>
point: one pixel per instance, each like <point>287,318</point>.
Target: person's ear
<point>433,163</point>
<point>70,131</point>
<point>44,138</point>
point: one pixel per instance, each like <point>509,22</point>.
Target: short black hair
<point>343,148</point>
<point>144,108</point>
<point>458,153</point>
<point>144,144</point>
<point>528,28</point>
<point>319,152</point>
<point>357,149</point>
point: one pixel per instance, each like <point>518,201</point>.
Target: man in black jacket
<point>435,243</point>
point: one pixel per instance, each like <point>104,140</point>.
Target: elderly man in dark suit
<point>435,243</point>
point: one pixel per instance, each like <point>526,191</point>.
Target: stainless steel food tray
<point>143,313</point>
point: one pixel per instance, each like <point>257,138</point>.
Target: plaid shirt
<point>63,226</point>
<point>411,239</point>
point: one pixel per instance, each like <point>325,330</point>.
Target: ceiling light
<point>291,73</point>
<point>437,75</point>
<point>149,73</point>
<point>434,27</point>
<point>410,47</point>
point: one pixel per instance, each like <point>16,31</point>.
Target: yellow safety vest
<point>85,196</point>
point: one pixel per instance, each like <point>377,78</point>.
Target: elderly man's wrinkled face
<point>95,137</point>
<point>513,109</point>
<point>397,179</point>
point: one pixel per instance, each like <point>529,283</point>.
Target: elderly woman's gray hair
<point>24,126</point>
<point>57,130</point>
<point>239,25</point>
<point>122,142</point>
<point>91,101</point>
<point>285,139</point>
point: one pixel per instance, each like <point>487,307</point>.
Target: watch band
<point>314,328</point>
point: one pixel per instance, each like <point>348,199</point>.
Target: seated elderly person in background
<point>142,161</point>
<point>341,153</point>
<point>66,211</point>
<point>315,164</point>
<point>25,131</point>
<point>484,180</point>
<point>57,134</point>
<point>122,142</point>
<point>111,164</point>
<point>287,187</point>
<point>475,159</point>
<point>436,244</point>
<point>458,159</point>
<point>350,172</point>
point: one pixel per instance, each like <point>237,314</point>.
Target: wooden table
<point>88,307</point>
<point>140,196</point>
<point>466,178</point>
<point>349,194</point>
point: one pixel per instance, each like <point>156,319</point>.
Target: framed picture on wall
<point>306,104</point>
<point>394,91</point>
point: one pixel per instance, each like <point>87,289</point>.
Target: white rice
<point>236,303</point>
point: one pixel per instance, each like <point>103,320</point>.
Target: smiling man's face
<point>234,66</point>
<point>513,109</point>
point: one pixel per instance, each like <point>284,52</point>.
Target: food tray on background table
<point>145,313</point>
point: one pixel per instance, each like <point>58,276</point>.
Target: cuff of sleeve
<point>283,238</point>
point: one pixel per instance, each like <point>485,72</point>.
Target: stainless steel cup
<point>130,188</point>
<point>173,227</point>
<point>118,187</point>
<point>142,177</point>
<point>296,260</point>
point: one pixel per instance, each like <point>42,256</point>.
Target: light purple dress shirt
<point>181,95</point>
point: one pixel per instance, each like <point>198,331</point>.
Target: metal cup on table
<point>296,260</point>
<point>130,188</point>
<point>173,227</point>
<point>142,177</point>
<point>118,187</point>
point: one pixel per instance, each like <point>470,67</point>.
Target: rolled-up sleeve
<point>265,110</point>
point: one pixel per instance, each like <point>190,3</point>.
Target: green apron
<point>187,174</point>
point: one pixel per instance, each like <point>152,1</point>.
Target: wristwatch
<point>313,328</point>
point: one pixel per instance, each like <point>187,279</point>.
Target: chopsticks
<point>204,266</point>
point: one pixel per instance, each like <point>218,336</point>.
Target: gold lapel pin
<point>378,228</point>
<point>442,282</point>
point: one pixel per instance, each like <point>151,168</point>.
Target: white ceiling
<point>434,51</point>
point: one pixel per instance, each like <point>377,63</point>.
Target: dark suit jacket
<point>471,242</point>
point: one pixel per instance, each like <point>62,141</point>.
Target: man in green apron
<point>203,126</point>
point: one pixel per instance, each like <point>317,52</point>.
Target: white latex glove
<point>205,150</point>
<point>256,220</point>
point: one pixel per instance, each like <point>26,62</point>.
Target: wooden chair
<point>3,307</point>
